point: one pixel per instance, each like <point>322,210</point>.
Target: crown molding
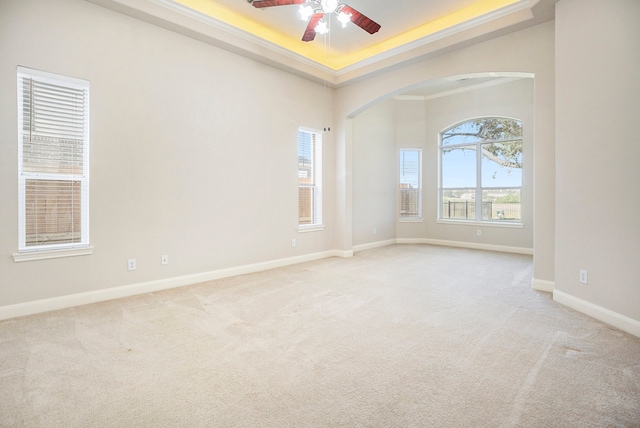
<point>512,77</point>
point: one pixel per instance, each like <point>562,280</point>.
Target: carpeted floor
<point>401,336</point>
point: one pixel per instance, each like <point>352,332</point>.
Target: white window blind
<point>53,128</point>
<point>410,183</point>
<point>309,178</point>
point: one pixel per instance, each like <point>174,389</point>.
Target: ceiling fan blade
<point>270,3</point>
<point>310,32</point>
<point>361,21</point>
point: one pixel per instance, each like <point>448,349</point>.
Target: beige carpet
<point>401,336</point>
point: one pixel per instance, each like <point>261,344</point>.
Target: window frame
<point>479,185</point>
<point>68,247</point>
<point>316,152</point>
<point>419,215</point>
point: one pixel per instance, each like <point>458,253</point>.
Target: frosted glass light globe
<point>329,6</point>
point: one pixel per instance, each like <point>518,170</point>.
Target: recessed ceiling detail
<point>317,14</point>
<point>332,53</point>
<point>410,29</point>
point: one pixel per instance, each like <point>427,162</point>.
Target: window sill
<point>51,254</point>
<point>410,220</point>
<point>509,225</point>
<point>311,228</point>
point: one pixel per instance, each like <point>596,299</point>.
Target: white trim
<point>62,302</point>
<point>506,224</point>
<point>607,316</point>
<point>462,244</point>
<point>543,285</point>
<point>410,97</point>
<point>311,130</point>
<point>340,253</point>
<point>474,87</point>
<point>52,254</point>
<point>52,77</point>
<point>310,228</point>
<point>371,245</point>
<point>445,243</point>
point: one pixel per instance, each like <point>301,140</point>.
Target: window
<point>309,179</point>
<point>53,168</point>
<point>481,170</point>
<point>410,184</point>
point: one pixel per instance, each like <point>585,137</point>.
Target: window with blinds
<point>53,167</point>
<point>410,184</point>
<point>309,178</point>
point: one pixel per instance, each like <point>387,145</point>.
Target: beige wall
<point>526,51</point>
<point>190,142</point>
<point>374,175</point>
<point>514,100</point>
<point>598,152</point>
<point>193,151</point>
<point>380,131</point>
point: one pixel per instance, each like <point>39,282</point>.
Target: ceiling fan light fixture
<point>305,11</point>
<point>329,6</point>
<point>315,12</point>
<point>344,18</point>
<point>322,27</point>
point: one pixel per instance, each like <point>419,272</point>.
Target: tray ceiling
<point>410,29</point>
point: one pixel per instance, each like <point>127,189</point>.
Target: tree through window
<point>481,170</point>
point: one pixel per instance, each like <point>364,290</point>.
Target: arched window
<point>481,171</point>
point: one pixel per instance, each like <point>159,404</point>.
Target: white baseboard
<point>371,245</point>
<point>543,285</point>
<point>461,244</point>
<point>598,312</point>
<point>340,253</point>
<point>62,302</point>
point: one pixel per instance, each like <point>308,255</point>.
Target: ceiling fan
<point>314,12</point>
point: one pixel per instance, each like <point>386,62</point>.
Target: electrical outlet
<point>165,260</point>
<point>583,276</point>
<point>293,243</point>
<point>478,232</point>
<point>131,264</point>
<point>375,231</point>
